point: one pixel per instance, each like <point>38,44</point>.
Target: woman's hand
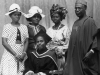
<point>23,55</point>
<point>20,57</point>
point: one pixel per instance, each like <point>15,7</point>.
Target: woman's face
<point>36,19</point>
<point>56,18</point>
<point>15,16</point>
<point>40,42</point>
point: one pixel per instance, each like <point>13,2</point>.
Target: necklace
<point>58,27</point>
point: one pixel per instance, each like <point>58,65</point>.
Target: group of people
<point>33,50</point>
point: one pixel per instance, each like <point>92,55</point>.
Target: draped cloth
<point>81,41</point>
<point>45,62</point>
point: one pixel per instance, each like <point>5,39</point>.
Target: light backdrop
<point>93,10</point>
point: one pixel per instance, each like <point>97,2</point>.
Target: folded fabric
<point>41,73</point>
<point>30,73</point>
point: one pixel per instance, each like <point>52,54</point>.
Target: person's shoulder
<point>64,27</point>
<point>50,29</point>
<point>8,25</point>
<point>23,25</point>
<point>41,26</point>
<point>31,54</point>
<point>90,19</point>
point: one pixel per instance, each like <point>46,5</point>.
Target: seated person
<point>41,61</point>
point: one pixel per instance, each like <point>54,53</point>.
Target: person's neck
<point>34,24</point>
<point>81,17</point>
<point>15,24</point>
<point>56,26</point>
<point>41,51</point>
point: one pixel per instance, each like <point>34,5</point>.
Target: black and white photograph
<point>49,37</point>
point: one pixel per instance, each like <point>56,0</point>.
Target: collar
<point>49,53</point>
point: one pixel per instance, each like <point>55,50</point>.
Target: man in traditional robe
<point>82,57</point>
<point>41,61</point>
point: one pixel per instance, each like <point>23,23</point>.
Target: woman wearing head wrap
<point>34,17</point>
<point>58,32</point>
<point>15,42</point>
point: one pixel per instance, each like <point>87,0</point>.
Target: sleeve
<point>5,32</point>
<point>42,28</point>
<point>49,66</point>
<point>94,30</point>
<point>66,35</point>
<point>26,32</point>
<point>29,65</point>
<point>48,31</point>
<point>91,31</point>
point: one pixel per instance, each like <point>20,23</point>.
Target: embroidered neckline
<point>59,27</point>
<point>33,26</point>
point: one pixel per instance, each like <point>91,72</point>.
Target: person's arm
<point>25,45</point>
<point>29,64</point>
<point>25,49</point>
<point>48,66</point>
<point>93,45</point>
<point>66,34</point>
<point>8,47</point>
<point>25,42</point>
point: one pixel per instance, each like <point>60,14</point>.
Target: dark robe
<point>32,33</point>
<point>81,41</point>
<point>98,47</point>
<point>45,62</point>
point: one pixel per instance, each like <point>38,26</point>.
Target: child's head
<point>14,12</point>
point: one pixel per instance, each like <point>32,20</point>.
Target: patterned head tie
<point>60,10</point>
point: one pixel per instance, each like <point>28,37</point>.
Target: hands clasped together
<point>21,57</point>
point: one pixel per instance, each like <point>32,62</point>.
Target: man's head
<point>80,8</point>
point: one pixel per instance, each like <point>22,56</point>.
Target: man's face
<point>40,42</point>
<point>79,10</point>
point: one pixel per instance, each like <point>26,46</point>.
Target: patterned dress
<point>60,34</point>
<point>9,65</point>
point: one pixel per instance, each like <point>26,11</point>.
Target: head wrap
<point>60,10</point>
